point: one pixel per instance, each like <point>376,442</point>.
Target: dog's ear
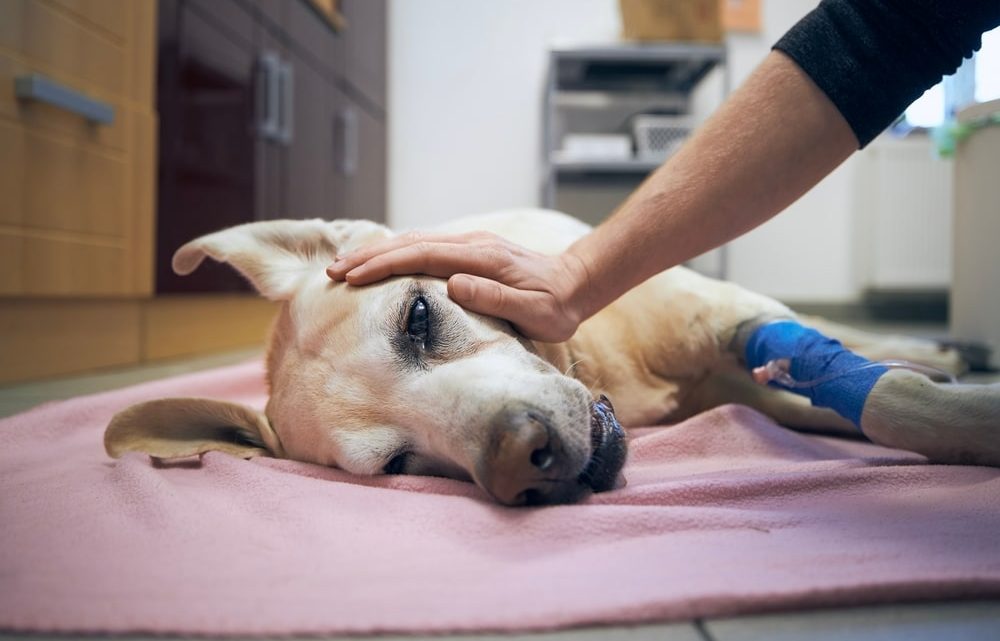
<point>275,255</point>
<point>173,428</point>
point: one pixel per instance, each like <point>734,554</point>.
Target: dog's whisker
<point>571,366</point>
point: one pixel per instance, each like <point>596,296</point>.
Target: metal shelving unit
<point>603,90</point>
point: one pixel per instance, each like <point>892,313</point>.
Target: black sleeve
<point>874,57</point>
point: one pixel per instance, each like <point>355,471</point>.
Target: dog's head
<point>392,378</point>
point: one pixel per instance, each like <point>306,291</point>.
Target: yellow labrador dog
<point>396,378</point>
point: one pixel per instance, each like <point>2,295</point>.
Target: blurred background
<point>128,127</point>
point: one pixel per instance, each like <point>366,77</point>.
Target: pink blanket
<point>726,513</point>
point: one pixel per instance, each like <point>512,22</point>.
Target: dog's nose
<point>524,461</point>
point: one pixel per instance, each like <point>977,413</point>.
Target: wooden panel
<point>78,198</point>
<point>49,37</point>
<point>63,185</point>
<point>106,15</point>
<point>366,189</point>
<point>141,231</point>
<point>142,54</point>
<point>58,265</point>
<point>184,325</point>
<point>310,158</point>
<point>43,117</point>
<point>312,37</point>
<point>56,337</point>
<point>365,44</point>
<point>40,338</point>
<point>10,264</point>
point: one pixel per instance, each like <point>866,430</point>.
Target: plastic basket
<point>657,137</point>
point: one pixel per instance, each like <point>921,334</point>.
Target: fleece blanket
<point>726,513</point>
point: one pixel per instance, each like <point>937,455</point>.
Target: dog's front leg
<point>948,423</point>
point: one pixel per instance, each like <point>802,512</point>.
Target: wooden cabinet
<point>77,208</point>
<point>91,211</point>
<point>267,112</point>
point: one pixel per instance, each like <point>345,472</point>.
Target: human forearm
<point>772,140</point>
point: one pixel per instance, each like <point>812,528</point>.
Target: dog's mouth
<point>609,447</point>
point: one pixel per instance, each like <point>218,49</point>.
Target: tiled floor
<point>904,622</point>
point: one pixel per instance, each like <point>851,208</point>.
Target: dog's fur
<point>354,386</point>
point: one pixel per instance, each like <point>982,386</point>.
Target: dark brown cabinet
<point>265,112</point>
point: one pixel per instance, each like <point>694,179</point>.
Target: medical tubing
<point>784,378</point>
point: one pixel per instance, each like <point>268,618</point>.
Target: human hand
<point>542,296</point>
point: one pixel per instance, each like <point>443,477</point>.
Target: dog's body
<point>396,378</point>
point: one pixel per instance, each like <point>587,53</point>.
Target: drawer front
<point>76,218</point>
<point>53,120</point>
<point>62,184</point>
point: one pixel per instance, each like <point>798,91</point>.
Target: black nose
<point>525,463</point>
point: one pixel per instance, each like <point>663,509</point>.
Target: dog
<point>395,378</point>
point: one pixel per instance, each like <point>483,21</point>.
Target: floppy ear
<point>179,427</point>
<point>275,255</point>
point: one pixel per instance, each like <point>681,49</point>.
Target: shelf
<point>634,166</point>
<point>664,68</point>
<point>644,52</point>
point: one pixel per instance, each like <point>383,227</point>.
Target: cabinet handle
<point>37,87</point>
<point>348,117</point>
<point>268,96</point>
<point>286,80</point>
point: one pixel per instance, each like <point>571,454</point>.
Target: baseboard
<point>55,337</point>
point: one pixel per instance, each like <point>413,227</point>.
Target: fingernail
<point>462,288</point>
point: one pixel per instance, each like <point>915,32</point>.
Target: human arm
<point>771,141</point>
<point>857,63</point>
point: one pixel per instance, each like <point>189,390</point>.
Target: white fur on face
<point>352,390</point>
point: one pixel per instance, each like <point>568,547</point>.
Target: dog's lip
<point>609,448</point>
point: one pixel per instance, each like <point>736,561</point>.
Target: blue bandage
<point>813,356</point>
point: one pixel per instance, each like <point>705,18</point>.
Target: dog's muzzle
<point>609,447</point>
<point>527,463</point>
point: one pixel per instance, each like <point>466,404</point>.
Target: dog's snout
<point>524,464</point>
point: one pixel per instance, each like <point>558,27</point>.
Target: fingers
<point>531,312</point>
<point>339,269</point>
<point>440,259</point>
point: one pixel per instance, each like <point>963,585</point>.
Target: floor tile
<point>912,622</point>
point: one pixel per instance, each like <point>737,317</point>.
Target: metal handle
<point>268,95</point>
<point>286,80</point>
<point>348,117</point>
<point>37,87</point>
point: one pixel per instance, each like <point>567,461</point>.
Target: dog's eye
<point>397,464</point>
<point>418,323</point>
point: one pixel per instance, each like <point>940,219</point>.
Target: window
<point>978,79</point>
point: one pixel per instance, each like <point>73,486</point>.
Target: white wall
<point>465,104</point>
<point>465,100</point>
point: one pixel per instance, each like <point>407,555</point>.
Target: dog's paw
<point>946,422</point>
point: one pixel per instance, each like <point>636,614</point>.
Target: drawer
<point>59,183</point>
<point>75,217</point>
<point>56,121</point>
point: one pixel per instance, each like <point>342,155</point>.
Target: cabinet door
<point>269,154</point>
<point>364,164</point>
<point>312,184</point>
<point>365,48</point>
<point>206,101</point>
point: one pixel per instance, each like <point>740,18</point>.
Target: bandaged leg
<point>803,361</point>
<point>948,423</point>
